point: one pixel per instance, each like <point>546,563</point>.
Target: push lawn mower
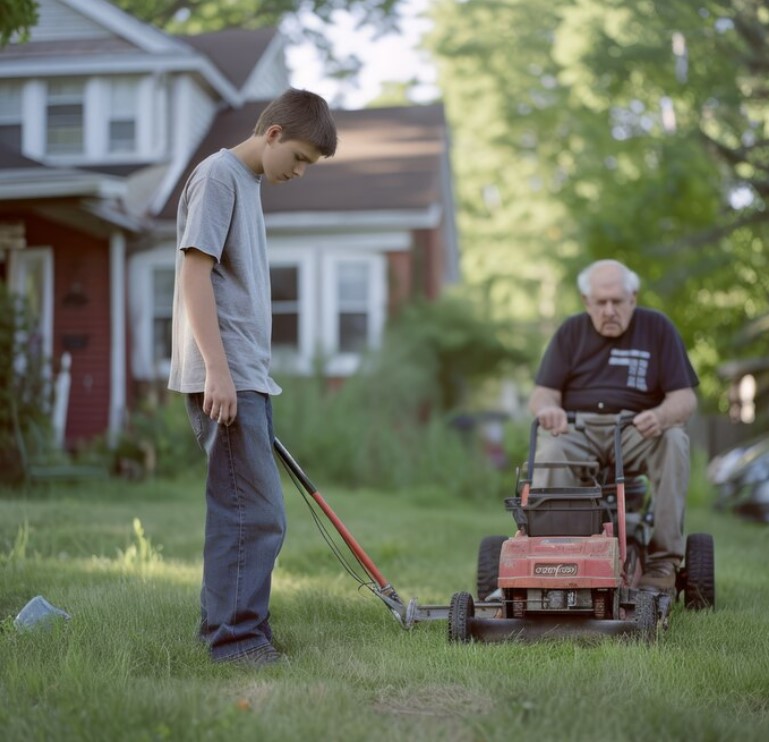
<point>572,567</point>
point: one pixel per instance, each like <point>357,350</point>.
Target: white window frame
<point>318,307</point>
<point>301,360</point>
<point>80,99</point>
<point>131,83</point>
<point>141,302</point>
<point>22,263</point>
<point>150,140</point>
<point>163,364</point>
<point>345,363</point>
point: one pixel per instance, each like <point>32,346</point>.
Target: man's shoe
<point>660,577</point>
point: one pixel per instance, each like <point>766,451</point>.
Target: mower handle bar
<point>623,420</point>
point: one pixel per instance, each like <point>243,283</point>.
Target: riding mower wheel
<point>699,584</point>
<point>488,565</point>
<point>646,616</point>
<point>461,610</point>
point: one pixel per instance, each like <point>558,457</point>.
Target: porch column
<point>117,267</point>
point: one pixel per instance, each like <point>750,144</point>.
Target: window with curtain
<point>352,287</point>
<point>122,115</point>
<point>285,306</point>
<point>162,305</point>
<point>65,117</point>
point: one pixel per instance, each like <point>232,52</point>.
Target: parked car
<point>741,478</point>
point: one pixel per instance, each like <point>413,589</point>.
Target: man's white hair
<point>630,280</point>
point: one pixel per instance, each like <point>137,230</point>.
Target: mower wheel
<point>461,610</point>
<point>646,616</point>
<point>699,587</point>
<point>488,565</point>
<point>634,561</point>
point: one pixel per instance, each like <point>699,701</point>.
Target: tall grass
<point>125,564</point>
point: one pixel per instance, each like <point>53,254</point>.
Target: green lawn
<point>127,666</point>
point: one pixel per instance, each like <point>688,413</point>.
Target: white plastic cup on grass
<point>39,613</point>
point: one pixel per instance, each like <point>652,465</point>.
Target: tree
<point>198,16</point>
<point>639,129</point>
<point>16,17</point>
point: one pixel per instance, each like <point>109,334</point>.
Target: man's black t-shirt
<point>631,372</point>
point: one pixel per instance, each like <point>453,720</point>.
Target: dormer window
<point>84,119</point>
<point>122,115</point>
<point>64,117</point>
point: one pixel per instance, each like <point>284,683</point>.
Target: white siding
<point>33,109</point>
<point>196,112</point>
<point>192,111</point>
<point>270,77</point>
<point>58,21</point>
<point>154,95</point>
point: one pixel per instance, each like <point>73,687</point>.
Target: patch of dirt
<point>433,700</point>
<point>252,696</point>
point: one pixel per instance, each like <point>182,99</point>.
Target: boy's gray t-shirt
<point>220,214</point>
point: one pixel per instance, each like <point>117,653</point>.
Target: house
<point>101,120</point>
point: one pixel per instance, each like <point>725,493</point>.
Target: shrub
<point>389,425</point>
<point>157,439</point>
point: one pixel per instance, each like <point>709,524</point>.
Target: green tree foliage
<point>492,57</point>
<point>194,16</point>
<point>614,129</point>
<point>198,16</point>
<point>450,345</point>
<point>16,17</point>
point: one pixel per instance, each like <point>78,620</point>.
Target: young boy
<point>220,361</point>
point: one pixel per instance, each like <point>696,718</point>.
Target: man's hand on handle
<point>553,419</point>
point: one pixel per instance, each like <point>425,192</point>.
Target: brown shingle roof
<point>388,159</point>
<point>234,51</point>
<point>12,159</point>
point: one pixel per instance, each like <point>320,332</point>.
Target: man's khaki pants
<point>665,460</point>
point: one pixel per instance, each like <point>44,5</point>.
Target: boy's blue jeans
<point>245,525</point>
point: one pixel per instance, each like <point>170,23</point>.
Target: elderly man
<point>617,357</point>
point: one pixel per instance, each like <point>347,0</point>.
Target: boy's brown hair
<point>304,116</point>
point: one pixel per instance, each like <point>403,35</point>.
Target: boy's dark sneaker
<point>263,656</point>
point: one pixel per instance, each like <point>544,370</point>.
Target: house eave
<point>108,213</point>
<point>22,184</point>
<point>120,65</point>
<point>427,218</point>
<point>336,221</point>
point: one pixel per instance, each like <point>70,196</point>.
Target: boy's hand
<point>220,400</point>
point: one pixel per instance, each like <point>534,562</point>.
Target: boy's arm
<point>220,400</point>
